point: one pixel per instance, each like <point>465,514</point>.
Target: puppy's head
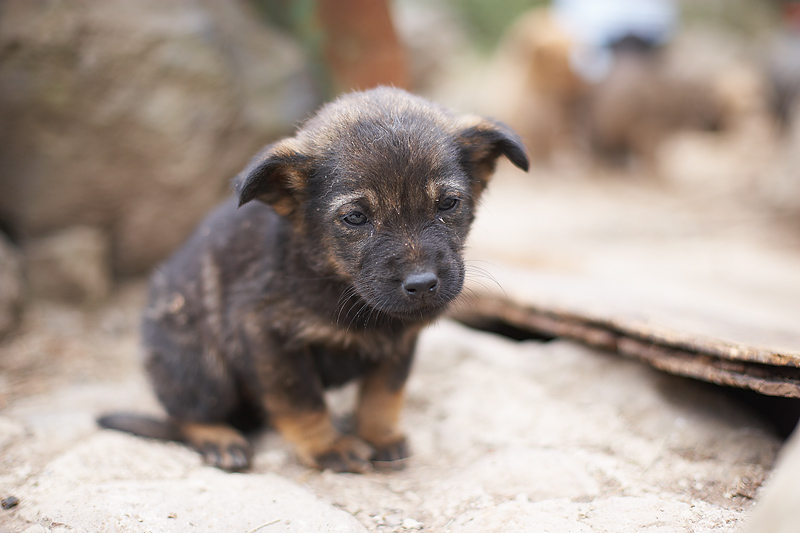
<point>381,187</point>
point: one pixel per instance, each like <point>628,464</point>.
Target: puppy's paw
<point>221,446</point>
<point>346,454</point>
<point>391,456</point>
<point>233,457</point>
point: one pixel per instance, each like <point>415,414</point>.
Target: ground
<point>506,435</point>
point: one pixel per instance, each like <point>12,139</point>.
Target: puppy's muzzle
<point>421,285</point>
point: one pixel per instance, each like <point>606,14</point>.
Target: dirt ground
<point>506,435</point>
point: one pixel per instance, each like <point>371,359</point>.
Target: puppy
<point>340,245</point>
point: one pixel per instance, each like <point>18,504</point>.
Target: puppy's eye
<point>446,204</point>
<point>355,218</point>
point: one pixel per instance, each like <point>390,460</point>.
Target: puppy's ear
<point>275,176</point>
<point>482,142</point>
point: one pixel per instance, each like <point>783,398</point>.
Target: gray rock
<point>778,511</point>
<point>135,115</point>
<point>71,265</point>
<point>11,287</point>
<point>205,500</point>
<point>506,436</point>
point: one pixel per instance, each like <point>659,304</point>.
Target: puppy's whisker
<point>480,283</point>
<point>358,290</point>
<point>468,297</point>
<point>475,269</point>
<point>348,294</point>
<point>476,273</point>
<point>357,315</point>
<point>376,311</point>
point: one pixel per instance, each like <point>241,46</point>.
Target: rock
<point>71,265</point>
<point>557,437</point>
<point>506,436</point>
<point>134,116</point>
<point>10,430</point>
<point>617,513</point>
<point>777,511</point>
<point>410,523</point>
<point>205,500</point>
<point>10,287</point>
<point>10,502</point>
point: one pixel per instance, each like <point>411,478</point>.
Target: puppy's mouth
<point>420,295</point>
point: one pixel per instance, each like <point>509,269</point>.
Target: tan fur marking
<point>342,200</point>
<point>220,445</point>
<point>212,294</point>
<point>449,185</point>
<point>212,301</point>
<point>371,343</point>
<point>288,146</point>
<point>379,412</point>
<point>199,434</point>
<point>283,207</point>
<point>316,332</point>
<point>295,182</point>
<point>469,121</point>
<point>311,433</point>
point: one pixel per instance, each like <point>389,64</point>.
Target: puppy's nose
<point>421,284</point>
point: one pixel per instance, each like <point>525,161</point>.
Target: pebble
<point>410,523</point>
<point>10,502</point>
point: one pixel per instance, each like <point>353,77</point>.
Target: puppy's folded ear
<point>275,176</point>
<point>482,142</point>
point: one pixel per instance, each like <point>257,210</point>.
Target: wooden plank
<point>718,361</point>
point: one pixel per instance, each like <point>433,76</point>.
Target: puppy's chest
<point>315,315</point>
<point>341,356</point>
<point>366,344</point>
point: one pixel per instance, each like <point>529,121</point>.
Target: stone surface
<point>203,500</point>
<point>11,286</point>
<point>506,436</point>
<point>777,510</point>
<point>70,265</point>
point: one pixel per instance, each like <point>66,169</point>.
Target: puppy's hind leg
<point>219,444</point>
<point>199,391</point>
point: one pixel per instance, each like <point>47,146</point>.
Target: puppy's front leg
<point>381,399</point>
<point>295,402</point>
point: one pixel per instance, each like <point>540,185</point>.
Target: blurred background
<point>664,194</point>
<point>122,123</point>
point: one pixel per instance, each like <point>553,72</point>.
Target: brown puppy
<point>354,246</point>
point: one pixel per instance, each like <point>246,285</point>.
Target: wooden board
<point>697,341</point>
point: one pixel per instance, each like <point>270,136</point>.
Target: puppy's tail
<point>143,426</point>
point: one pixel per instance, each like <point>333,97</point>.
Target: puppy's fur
<point>354,243</point>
